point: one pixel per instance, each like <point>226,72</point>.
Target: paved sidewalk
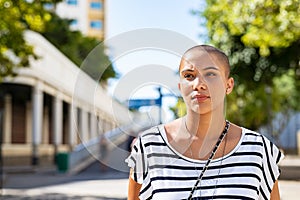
<point>88,185</point>
<point>81,190</point>
<point>290,168</point>
<point>289,190</point>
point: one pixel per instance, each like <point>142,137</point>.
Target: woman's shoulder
<point>151,130</point>
<point>172,127</point>
<point>247,131</point>
<point>159,131</point>
<point>255,136</point>
<point>239,134</point>
<point>151,133</point>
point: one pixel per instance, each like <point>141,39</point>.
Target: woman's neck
<point>205,126</point>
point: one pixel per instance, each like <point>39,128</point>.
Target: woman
<point>202,155</point>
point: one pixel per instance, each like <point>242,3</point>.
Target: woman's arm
<point>275,192</point>
<point>133,189</point>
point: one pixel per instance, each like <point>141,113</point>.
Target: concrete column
<point>105,125</point>
<point>73,123</point>
<point>28,122</point>
<point>84,125</point>
<point>93,125</point>
<point>100,125</point>
<point>37,116</point>
<point>7,119</point>
<point>57,118</point>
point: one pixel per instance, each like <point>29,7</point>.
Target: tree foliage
<point>262,40</point>
<point>17,16</point>
<point>179,109</point>
<point>20,15</point>
<point>78,47</point>
<point>256,34</point>
<point>264,24</point>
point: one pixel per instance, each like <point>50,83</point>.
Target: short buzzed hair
<point>214,51</point>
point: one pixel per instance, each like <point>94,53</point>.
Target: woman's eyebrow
<point>186,70</point>
<point>211,67</point>
<point>206,68</point>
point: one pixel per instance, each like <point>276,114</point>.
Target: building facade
<point>51,107</point>
<point>87,15</point>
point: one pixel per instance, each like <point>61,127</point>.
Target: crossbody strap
<point>209,159</point>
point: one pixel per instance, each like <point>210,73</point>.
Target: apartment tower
<point>87,15</point>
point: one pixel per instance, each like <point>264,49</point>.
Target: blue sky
<point>124,16</point>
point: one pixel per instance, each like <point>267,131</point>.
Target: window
<point>96,24</point>
<point>72,2</point>
<point>96,5</point>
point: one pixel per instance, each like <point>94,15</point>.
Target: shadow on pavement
<point>52,177</point>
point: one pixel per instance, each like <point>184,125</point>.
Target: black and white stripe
<point>248,172</point>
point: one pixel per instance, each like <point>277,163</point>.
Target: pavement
<point>89,184</point>
<point>94,183</point>
<point>290,168</point>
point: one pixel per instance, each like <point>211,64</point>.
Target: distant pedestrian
<point>202,155</point>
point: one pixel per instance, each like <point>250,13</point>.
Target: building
<point>87,15</point>
<point>289,139</point>
<point>52,107</point>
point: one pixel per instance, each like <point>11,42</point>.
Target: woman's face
<point>203,82</point>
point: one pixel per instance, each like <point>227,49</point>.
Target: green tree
<point>256,35</point>
<point>17,16</point>
<point>179,109</point>
<point>262,40</point>
<point>78,47</point>
<point>20,15</point>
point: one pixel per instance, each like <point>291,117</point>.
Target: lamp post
<point>160,104</point>
<point>137,103</point>
<point>161,95</point>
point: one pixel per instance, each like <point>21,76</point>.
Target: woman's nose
<point>199,83</point>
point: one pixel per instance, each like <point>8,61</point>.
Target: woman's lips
<point>201,98</point>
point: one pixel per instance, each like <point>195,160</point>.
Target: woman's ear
<point>229,85</point>
<point>179,88</point>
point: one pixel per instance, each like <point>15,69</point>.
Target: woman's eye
<point>189,76</point>
<point>211,74</point>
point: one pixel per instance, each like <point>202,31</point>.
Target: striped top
<point>247,172</point>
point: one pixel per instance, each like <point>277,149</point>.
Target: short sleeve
<point>271,158</point>
<point>137,162</point>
